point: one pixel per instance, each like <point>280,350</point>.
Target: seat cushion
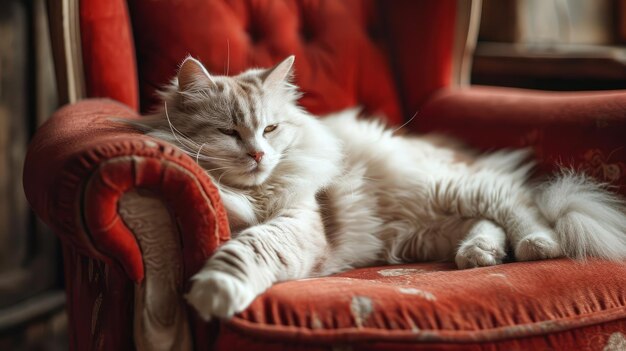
<point>555,304</point>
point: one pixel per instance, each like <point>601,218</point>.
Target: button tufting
<point>306,23</point>
<point>306,34</point>
<point>337,62</point>
<point>255,35</point>
<point>374,33</point>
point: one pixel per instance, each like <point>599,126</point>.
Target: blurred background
<point>552,44</point>
<point>539,44</point>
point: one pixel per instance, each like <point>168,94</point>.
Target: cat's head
<point>237,128</point>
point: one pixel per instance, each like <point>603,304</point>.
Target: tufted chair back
<point>388,56</point>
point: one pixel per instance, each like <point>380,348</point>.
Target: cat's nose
<point>256,155</point>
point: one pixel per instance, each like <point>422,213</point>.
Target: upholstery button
<point>255,35</point>
<point>374,33</point>
<point>306,34</point>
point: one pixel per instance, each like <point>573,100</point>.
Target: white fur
<point>338,193</point>
<point>588,220</point>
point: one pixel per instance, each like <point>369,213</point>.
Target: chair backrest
<point>388,56</point>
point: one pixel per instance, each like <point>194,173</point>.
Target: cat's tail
<point>589,220</point>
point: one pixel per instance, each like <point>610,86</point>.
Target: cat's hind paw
<point>217,294</point>
<point>479,252</point>
<point>537,246</point>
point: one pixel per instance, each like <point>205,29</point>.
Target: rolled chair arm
<point>81,162</point>
<point>585,130</point>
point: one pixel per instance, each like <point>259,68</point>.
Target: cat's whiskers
<point>175,130</point>
<point>199,157</point>
<point>186,150</point>
<point>209,158</point>
<point>198,154</point>
<point>191,153</point>
<point>219,180</point>
<point>203,157</point>
<point>405,123</point>
<point>218,168</point>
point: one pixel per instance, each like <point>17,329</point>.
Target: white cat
<point>309,197</point>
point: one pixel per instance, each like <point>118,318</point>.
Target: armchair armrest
<point>81,162</point>
<point>585,130</point>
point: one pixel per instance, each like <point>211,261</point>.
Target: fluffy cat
<point>309,197</point>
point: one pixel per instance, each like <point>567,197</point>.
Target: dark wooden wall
<point>31,295</point>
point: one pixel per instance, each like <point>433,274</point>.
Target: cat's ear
<point>279,74</point>
<point>193,76</point>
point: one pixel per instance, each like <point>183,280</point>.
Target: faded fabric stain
<point>616,342</point>
<point>361,308</point>
<point>418,292</point>
<point>396,272</point>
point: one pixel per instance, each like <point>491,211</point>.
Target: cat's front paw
<point>537,246</point>
<point>217,294</point>
<point>479,252</point>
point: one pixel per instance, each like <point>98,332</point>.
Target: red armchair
<point>137,218</point>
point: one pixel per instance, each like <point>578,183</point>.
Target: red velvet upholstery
<point>108,51</point>
<point>538,305</point>
<point>349,52</point>
<point>78,165</point>
<point>94,148</point>
<point>584,130</point>
<point>390,56</point>
<point>420,35</point>
<point>337,63</point>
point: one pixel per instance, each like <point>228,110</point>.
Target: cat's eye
<point>231,132</point>
<point>270,128</point>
